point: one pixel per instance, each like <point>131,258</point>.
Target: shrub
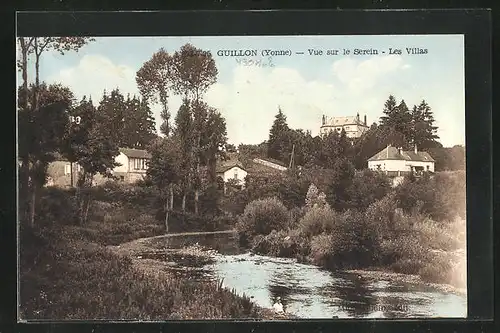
<point>366,188</point>
<point>56,206</point>
<point>283,243</point>
<point>261,217</point>
<point>322,249</point>
<point>315,198</point>
<point>318,220</point>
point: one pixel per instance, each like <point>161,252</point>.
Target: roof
<point>392,153</point>
<point>343,121</point>
<point>135,153</point>
<point>261,169</point>
<point>270,160</point>
<point>226,165</point>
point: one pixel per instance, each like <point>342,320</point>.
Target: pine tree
<point>111,113</point>
<point>278,137</point>
<point>427,136</point>
<point>389,109</point>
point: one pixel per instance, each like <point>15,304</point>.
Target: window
<point>122,178</point>
<point>140,164</point>
<point>235,173</point>
<point>67,169</point>
<point>428,168</point>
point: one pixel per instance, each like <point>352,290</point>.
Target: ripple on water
<point>310,292</point>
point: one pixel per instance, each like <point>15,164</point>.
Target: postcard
<point>241,177</point>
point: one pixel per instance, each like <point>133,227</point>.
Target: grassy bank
<point>412,229</point>
<point>67,271</point>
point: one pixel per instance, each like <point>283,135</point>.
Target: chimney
<point>365,119</point>
<point>357,117</point>
<point>416,150</point>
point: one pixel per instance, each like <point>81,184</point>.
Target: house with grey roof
<point>397,162</point>
<point>352,125</point>
<point>133,165</point>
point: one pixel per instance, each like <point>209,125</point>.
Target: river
<point>308,291</point>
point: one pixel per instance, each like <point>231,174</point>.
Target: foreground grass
<point>67,272</point>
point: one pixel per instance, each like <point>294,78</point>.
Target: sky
<point>304,86</point>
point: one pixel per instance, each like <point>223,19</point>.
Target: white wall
<point>123,160</point>
<point>229,174</point>
<point>399,165</point>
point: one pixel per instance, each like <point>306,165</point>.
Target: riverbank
<point>70,272</point>
<point>150,256</point>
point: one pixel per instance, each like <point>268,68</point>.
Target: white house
<point>133,167</point>
<point>353,126</point>
<point>133,164</point>
<point>232,171</point>
<point>397,162</point>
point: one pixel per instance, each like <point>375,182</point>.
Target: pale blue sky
<point>304,86</point>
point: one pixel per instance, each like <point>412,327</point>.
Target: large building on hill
<point>352,125</point>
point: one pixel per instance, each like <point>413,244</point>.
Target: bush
<point>366,188</point>
<point>283,243</point>
<point>318,220</point>
<point>261,217</point>
<point>56,206</point>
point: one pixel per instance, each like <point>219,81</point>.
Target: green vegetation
<point>67,272</point>
<point>418,234</point>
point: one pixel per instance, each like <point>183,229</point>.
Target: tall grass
<point>66,271</point>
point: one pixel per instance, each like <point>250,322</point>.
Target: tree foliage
<point>155,82</point>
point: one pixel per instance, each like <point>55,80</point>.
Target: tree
<point>37,45</point>
<point>87,143</point>
<point>424,131</point>
<point>185,138</point>
<point>163,170</point>
<point>397,119</point>
<point>389,110</point>
<point>214,139</point>
<point>230,148</point>
<point>279,137</point>
<point>112,111</point>
<point>139,124</point>
<point>194,71</point>
<point>155,81</point>
<point>42,130</point>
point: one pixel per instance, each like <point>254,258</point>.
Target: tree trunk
<point>167,211</point>
<point>87,199</point>
<point>196,195</point>
<point>32,204</point>
<point>37,75</point>
<point>24,177</point>
<point>71,172</point>
<point>184,201</point>
<point>171,196</point>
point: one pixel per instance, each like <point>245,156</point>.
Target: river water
<point>310,292</point>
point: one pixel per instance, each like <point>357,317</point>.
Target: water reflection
<point>310,292</point>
